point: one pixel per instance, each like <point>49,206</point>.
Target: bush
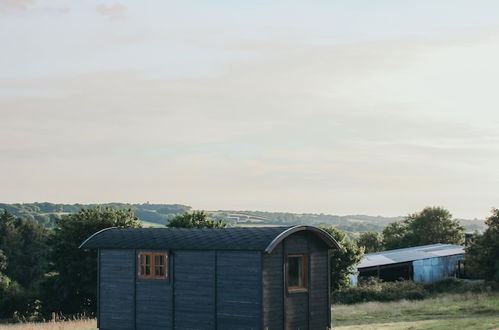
<point>381,291</point>
<point>374,290</point>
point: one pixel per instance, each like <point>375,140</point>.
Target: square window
<point>153,265</point>
<point>297,272</point>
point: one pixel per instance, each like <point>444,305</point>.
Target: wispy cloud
<point>115,11</point>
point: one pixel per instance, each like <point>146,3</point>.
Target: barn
<point>213,279</point>
<point>427,263</point>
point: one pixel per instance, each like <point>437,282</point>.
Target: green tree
<point>396,235</point>
<point>73,284</point>
<point>430,226</point>
<point>482,255</point>
<point>344,259</point>
<point>370,241</point>
<point>196,219</point>
<point>24,243</point>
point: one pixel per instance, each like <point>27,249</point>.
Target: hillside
<point>159,214</point>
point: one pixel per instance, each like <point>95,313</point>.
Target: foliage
<point>343,260</point>
<point>430,226</point>
<point>72,283</point>
<point>196,219</point>
<point>47,214</point>
<point>375,290</point>
<point>482,255</point>
<point>24,243</point>
<point>370,241</point>
<point>380,291</point>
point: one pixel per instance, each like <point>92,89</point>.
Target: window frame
<point>304,273</point>
<point>152,266</point>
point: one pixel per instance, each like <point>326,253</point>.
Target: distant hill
<point>46,213</point>
<point>159,214</point>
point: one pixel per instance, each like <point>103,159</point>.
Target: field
<point>466,311</point>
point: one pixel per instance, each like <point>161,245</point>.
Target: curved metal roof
<point>234,238</point>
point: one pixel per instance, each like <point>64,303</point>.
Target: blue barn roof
<point>234,238</point>
<point>409,254</point>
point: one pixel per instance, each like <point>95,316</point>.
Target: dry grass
<point>67,325</point>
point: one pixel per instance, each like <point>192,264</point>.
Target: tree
<point>24,243</point>
<point>430,226</point>
<point>343,260</point>
<point>396,235</point>
<point>370,241</point>
<point>196,219</point>
<point>482,255</point>
<point>73,284</point>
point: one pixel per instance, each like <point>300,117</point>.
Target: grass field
<point>466,311</point>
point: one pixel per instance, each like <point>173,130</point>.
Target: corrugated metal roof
<point>235,238</point>
<point>409,254</point>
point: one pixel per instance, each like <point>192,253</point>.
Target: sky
<point>378,107</point>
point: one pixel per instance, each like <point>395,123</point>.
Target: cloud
<point>114,11</point>
<point>17,4</point>
<point>342,129</point>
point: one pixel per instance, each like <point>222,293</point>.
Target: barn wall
<point>116,289</point>
<point>154,300</point>
<point>273,289</point>
<point>238,295</point>
<point>435,269</point>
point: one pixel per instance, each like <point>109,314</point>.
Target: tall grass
<point>443,306</point>
<point>65,325</point>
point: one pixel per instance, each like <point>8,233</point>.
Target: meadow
<point>448,311</point>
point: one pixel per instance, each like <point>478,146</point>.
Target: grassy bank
<point>463,311</point>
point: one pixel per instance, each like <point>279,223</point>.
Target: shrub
<point>381,291</point>
<point>374,290</point>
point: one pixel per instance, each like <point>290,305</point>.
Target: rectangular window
<point>153,265</point>
<point>297,272</point>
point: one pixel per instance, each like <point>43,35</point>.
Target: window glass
<point>297,272</point>
<point>153,265</point>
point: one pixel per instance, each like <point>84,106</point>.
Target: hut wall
<point>273,289</point>
<point>296,304</point>
<point>238,290</point>
<point>435,269</point>
<point>153,304</point>
<point>194,290</point>
<point>320,310</point>
<point>117,289</point>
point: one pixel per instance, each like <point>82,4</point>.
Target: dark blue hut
<point>266,278</point>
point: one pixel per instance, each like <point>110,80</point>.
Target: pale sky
<point>344,107</point>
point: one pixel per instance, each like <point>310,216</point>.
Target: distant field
<point>70,325</point>
<point>467,311</point>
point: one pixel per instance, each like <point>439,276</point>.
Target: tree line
<point>43,271</point>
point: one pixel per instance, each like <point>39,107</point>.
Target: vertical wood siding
<point>194,290</point>
<point>116,285</point>
<point>273,289</point>
<point>297,302</point>
<point>319,286</point>
<point>153,307</point>
<point>238,290</point>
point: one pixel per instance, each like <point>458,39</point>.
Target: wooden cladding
<point>152,265</point>
<point>297,273</point>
